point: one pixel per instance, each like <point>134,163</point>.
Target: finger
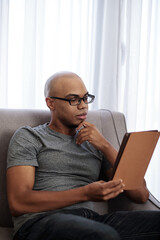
<point>82,133</point>
<point>82,136</point>
<point>113,183</point>
<point>82,130</point>
<point>112,195</point>
<point>115,189</point>
<point>82,125</point>
<point>101,181</point>
<point>82,139</point>
<point>104,189</point>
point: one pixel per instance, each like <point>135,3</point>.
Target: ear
<point>50,103</point>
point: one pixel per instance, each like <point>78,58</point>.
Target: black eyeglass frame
<point>79,101</point>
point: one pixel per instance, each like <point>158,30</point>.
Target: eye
<point>86,97</point>
<point>74,99</point>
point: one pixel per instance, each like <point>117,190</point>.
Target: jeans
<point>84,224</point>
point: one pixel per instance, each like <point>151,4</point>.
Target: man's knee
<point>92,230</point>
<point>77,227</point>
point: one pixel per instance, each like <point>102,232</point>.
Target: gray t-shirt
<point>60,164</point>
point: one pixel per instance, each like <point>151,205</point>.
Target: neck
<point>64,130</point>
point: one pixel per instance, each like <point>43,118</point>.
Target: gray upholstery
<point>111,124</point>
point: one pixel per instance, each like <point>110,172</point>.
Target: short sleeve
<point>23,148</point>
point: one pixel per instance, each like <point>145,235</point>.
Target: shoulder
<point>27,134</point>
<point>23,147</point>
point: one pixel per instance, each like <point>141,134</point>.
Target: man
<point>53,170</point>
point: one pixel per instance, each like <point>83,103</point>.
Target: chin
<point>75,124</point>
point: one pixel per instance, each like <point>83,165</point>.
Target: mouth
<point>82,116</point>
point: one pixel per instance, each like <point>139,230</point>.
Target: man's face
<point>67,115</point>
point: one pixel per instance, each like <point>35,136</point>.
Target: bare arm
<point>140,195</point>
<point>23,199</point>
<point>90,133</point>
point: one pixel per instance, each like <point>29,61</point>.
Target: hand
<point>101,191</point>
<point>88,132</point>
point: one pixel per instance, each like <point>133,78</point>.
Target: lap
<point>76,224</point>
<point>85,224</point>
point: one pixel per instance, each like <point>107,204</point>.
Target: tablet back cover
<point>134,156</point>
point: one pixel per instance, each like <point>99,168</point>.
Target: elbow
<point>142,198</point>
<point>138,196</point>
<point>15,206</point>
<point>14,212</point>
<point>15,209</point>
<point>138,199</point>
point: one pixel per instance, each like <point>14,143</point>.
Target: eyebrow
<point>75,95</point>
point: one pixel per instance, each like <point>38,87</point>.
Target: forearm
<point>109,152</point>
<point>39,201</point>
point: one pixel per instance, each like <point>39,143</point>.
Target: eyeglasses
<point>77,100</point>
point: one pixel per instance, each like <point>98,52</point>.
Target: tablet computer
<point>134,156</point>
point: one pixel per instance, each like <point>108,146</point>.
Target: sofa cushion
<point>6,233</point>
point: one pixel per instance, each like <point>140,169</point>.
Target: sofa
<point>111,124</point>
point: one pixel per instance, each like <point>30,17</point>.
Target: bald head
<point>57,83</point>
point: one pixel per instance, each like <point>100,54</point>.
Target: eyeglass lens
<point>77,100</point>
